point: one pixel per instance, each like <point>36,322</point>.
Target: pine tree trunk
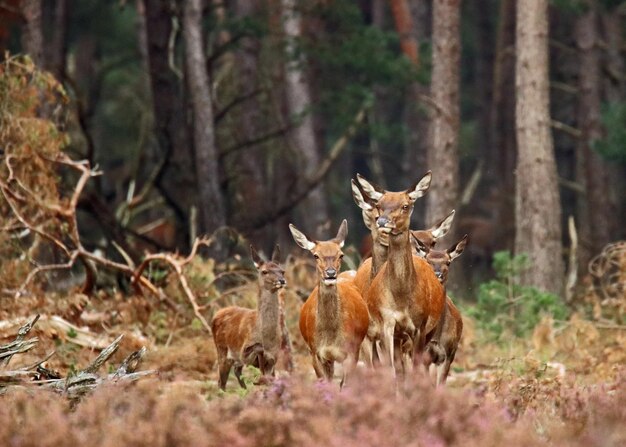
<point>537,205</point>
<point>177,180</point>
<point>594,213</point>
<point>298,92</point>
<point>32,31</point>
<point>57,50</point>
<point>211,201</point>
<point>246,169</point>
<point>443,157</point>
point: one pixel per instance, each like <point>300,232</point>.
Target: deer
<point>251,337</point>
<point>450,329</point>
<point>334,319</point>
<point>370,267</point>
<point>405,299</point>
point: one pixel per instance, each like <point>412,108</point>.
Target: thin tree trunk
<point>298,92</point>
<point>246,169</point>
<point>537,205</point>
<point>176,182</point>
<point>58,47</point>
<point>443,157</point>
<point>211,201</point>
<point>501,155</point>
<point>32,31</point>
<point>613,90</point>
<point>594,211</point>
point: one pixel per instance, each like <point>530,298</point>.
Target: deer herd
<point>393,311</point>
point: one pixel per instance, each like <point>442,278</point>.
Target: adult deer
<point>251,337</point>
<point>380,241</point>
<point>450,329</point>
<point>405,299</point>
<point>334,319</point>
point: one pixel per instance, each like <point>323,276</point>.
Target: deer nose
<point>331,273</point>
<point>382,221</point>
<point>282,281</point>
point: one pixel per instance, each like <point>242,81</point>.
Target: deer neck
<point>268,311</point>
<point>379,257</point>
<point>328,314</point>
<point>401,274</point>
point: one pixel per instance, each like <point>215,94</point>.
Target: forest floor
<point>565,385</point>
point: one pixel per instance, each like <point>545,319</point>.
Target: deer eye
<point>405,207</point>
<point>341,256</point>
<point>316,256</point>
<point>264,272</point>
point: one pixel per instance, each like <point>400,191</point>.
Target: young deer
<point>334,319</point>
<point>405,299</point>
<point>450,329</point>
<point>251,337</point>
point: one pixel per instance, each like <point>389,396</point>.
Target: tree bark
<point>537,205</point>
<point>594,213</point>
<point>246,169</point>
<point>299,103</point>
<point>58,48</point>
<point>443,157</point>
<point>32,31</point>
<point>176,182</point>
<point>211,201</point>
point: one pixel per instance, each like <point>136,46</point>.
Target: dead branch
<point>572,268</point>
<point>571,131</point>
<point>18,345</point>
<point>310,183</point>
<point>177,264</point>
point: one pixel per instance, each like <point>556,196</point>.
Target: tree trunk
<point>176,182</point>
<point>443,158</point>
<point>298,92</point>
<point>211,201</point>
<point>57,50</point>
<point>501,155</point>
<point>537,205</point>
<point>32,31</point>
<point>594,211</point>
<point>246,169</point>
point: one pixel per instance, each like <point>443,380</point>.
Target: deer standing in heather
<point>334,319</point>
<point>251,337</point>
<point>450,329</point>
<point>380,241</point>
<point>405,299</point>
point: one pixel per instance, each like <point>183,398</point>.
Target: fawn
<point>251,337</point>
<point>450,329</point>
<point>405,299</point>
<point>334,319</point>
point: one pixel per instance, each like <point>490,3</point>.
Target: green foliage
<point>613,145</point>
<point>504,306</point>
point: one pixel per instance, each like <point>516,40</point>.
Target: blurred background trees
<point>206,114</point>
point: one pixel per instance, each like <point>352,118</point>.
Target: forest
<point>220,217</point>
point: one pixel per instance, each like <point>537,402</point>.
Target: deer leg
<point>328,368</point>
<point>317,367</point>
<point>388,331</point>
<point>225,364</point>
<point>238,370</point>
<point>367,348</point>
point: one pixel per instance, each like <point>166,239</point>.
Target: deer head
<point>327,254</point>
<point>392,211</point>
<point>271,275</point>
<point>429,237</point>
<point>440,259</point>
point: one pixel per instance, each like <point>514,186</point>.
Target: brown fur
<point>334,319</point>
<point>251,337</point>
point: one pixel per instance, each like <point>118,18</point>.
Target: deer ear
<point>420,247</point>
<point>359,197</point>
<point>372,190</point>
<point>255,257</point>
<point>300,238</point>
<point>420,187</point>
<point>342,233</point>
<point>441,229</point>
<point>276,254</point>
<point>458,248</point>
